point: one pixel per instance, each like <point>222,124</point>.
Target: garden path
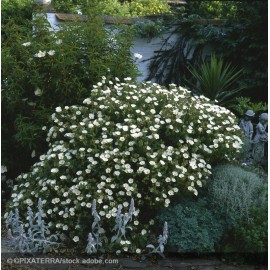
<point>169,263</point>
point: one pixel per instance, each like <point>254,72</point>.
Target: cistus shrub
<point>194,227</point>
<point>125,141</point>
<point>234,191</point>
<point>43,69</point>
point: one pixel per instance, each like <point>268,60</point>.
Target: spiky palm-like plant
<point>217,80</point>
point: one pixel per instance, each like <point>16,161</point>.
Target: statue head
<point>263,117</point>
<point>249,113</point>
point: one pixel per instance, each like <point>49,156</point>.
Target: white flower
<point>143,232</point>
<point>137,56</point>
<point>38,92</point>
<point>76,239</point>
<point>29,202</point>
<point>26,44</point>
<point>3,169</point>
<point>58,109</point>
<point>40,54</point>
<point>51,52</point>
<point>54,170</point>
<point>138,251</point>
<point>59,41</point>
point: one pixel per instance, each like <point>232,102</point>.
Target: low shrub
<point>193,226</point>
<point>42,69</point>
<point>234,191</point>
<point>252,236</point>
<point>126,141</point>
<point>247,242</point>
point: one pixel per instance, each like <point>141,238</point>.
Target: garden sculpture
<point>261,137</point>
<point>247,129</point>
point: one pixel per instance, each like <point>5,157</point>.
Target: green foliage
<point>245,46</point>
<point>148,7</point>
<point>252,236</point>
<point>108,7</point>
<point>114,7</point>
<point>216,80</point>
<point>126,141</point>
<point>68,6</point>
<point>44,69</point>
<point>234,191</point>
<point>242,104</point>
<point>237,41</point>
<point>249,237</point>
<point>193,227</point>
<point>213,9</point>
<point>18,10</point>
<point>148,28</point>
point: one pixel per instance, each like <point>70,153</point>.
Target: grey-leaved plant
<point>162,241</point>
<point>36,239</point>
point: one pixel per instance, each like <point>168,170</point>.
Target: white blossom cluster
<point>126,141</point>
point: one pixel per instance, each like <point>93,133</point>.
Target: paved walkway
<point>15,261</point>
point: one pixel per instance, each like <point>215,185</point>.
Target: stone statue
<point>247,129</point>
<point>246,125</point>
<point>260,138</point>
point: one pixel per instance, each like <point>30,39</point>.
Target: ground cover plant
<point>195,227</point>
<point>126,141</point>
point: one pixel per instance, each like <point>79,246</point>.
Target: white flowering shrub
<point>126,141</point>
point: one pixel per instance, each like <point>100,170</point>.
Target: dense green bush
<point>234,191</point>
<point>148,7</point>
<point>247,241</point>
<point>114,7</point>
<point>17,10</point>
<point>213,9</point>
<point>42,69</point>
<point>126,141</point>
<point>252,236</point>
<point>242,104</point>
<point>193,227</point>
<point>68,6</point>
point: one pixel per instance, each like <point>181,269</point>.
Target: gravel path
<point>14,261</point>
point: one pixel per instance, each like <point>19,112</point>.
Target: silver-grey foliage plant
<point>97,236</point>
<point>162,241</point>
<point>235,190</point>
<point>121,220</point>
<point>31,238</point>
